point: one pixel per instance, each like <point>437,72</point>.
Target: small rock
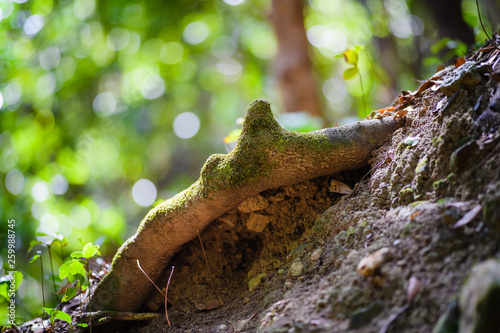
<point>253,204</point>
<point>369,264</point>
<point>316,254</point>
<point>480,299</point>
<point>240,326</point>
<point>257,222</point>
<point>223,327</point>
<point>296,269</point>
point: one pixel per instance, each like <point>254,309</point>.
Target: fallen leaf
<point>339,187</point>
<point>471,215</point>
<point>415,215</point>
<point>414,286</point>
<point>411,140</point>
<point>400,114</point>
<point>459,62</point>
<point>385,109</point>
<point>423,87</point>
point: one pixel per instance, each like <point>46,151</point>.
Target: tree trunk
<point>292,65</point>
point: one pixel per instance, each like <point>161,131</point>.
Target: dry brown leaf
<point>369,264</point>
<point>459,62</point>
<point>423,87</point>
<point>339,187</point>
<point>400,114</point>
<point>471,215</point>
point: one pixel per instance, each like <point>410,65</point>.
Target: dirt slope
<point>286,260</point>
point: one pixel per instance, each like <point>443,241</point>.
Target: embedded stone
<point>253,204</point>
<point>257,222</point>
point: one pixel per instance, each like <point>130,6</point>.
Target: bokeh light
<point>196,32</point>
<point>80,217</point>
<point>186,125</point>
<point>144,192</point>
<point>14,181</point>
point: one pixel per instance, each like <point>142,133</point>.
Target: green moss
<point>439,184</point>
<point>255,281</point>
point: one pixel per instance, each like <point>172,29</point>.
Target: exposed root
<point>266,156</point>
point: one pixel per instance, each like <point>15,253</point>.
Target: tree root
<point>266,156</point>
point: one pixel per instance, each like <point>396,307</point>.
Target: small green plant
<point>77,271</point>
<point>49,241</point>
<point>351,56</point>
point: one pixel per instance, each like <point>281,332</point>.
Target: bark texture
<point>266,156</point>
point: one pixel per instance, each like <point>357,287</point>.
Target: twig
<point>166,293</point>
<point>482,26</point>
<point>166,289</point>
<point>209,271</point>
<point>154,284</point>
<point>393,317</point>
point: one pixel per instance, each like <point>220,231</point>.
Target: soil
<point>287,260</point>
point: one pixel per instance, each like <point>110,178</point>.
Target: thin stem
<point>62,253</point>
<point>43,293</point>
<point>363,93</point>
<point>166,293</point>
<point>90,295</point>
<point>52,271</point>
<point>481,21</point>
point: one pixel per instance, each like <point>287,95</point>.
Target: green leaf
<point>33,243</point>
<point>19,278</point>
<point>4,286</point>
<point>69,294</point>
<point>351,57</point>
<point>64,270</point>
<point>90,250</point>
<point>76,267</point>
<point>56,313</point>
<point>35,257</point>
<point>61,315</point>
<point>350,73</point>
<point>82,324</point>
<point>77,254</point>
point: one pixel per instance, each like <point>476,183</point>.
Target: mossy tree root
<point>266,156</point>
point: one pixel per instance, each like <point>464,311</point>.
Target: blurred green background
<point>107,108</point>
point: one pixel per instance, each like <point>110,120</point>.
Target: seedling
<point>49,241</point>
<point>76,271</point>
<point>351,56</point>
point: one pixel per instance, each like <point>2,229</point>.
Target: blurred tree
<point>292,65</point>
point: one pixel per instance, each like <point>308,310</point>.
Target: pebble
<point>297,269</point>
<point>316,254</point>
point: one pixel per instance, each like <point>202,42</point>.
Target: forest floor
<point>428,211</point>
